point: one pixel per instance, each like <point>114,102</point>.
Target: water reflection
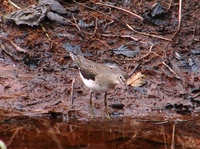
<point>43,132</point>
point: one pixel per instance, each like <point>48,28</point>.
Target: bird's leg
<point>91,113</point>
<point>106,104</point>
<point>105,100</point>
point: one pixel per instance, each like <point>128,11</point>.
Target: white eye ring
<point>122,78</point>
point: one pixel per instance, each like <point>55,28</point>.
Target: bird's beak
<point>124,82</point>
<point>125,85</point>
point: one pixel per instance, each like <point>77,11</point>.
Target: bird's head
<point>121,79</point>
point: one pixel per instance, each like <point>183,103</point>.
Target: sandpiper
<point>99,77</point>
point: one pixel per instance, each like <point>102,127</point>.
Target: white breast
<point>94,86</point>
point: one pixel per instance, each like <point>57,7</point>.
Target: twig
<point>151,58</point>
<point>133,71</point>
<point>197,95</point>
<point>122,36</point>
<point>147,34</point>
<point>14,135</point>
<point>13,44</point>
<point>55,138</point>
<point>88,7</point>
<point>13,4</point>
<point>164,136</point>
<point>170,69</point>
<point>133,14</point>
<point>179,24</point>
<point>76,24</point>
<point>104,43</point>
<point>45,31</point>
<point>173,135</point>
<point>129,36</point>
<point>95,28</point>
<point>72,92</point>
<point>151,47</point>
<point>170,4</point>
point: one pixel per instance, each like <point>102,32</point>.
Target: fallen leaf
<point>136,80</point>
<point>31,15</point>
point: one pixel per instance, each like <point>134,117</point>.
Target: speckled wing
<point>86,67</point>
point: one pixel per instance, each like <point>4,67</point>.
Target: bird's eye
<point>120,77</point>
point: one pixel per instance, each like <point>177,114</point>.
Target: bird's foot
<point>107,114</point>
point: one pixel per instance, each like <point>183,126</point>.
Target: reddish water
<point>42,132</point>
